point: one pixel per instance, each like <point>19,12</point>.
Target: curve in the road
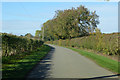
<point>65,63</point>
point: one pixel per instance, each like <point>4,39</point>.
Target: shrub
<point>105,43</point>
<point>12,44</point>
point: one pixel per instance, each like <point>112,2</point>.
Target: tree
<point>38,34</point>
<point>70,23</point>
<point>28,35</point>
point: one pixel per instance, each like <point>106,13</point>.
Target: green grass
<point>18,66</point>
<point>105,62</point>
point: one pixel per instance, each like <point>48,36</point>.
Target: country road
<point>65,63</point>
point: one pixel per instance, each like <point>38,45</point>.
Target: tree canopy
<point>38,34</point>
<point>70,23</point>
<point>29,35</point>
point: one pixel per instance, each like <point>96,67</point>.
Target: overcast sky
<point>20,18</point>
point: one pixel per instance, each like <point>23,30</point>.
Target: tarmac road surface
<point>61,62</point>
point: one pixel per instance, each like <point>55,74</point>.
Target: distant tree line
<point>30,36</point>
<point>70,23</point>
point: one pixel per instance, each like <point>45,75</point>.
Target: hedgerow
<point>12,44</point>
<point>105,43</point>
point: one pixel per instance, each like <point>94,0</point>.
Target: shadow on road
<point>42,70</point>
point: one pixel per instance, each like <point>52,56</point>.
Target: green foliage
<point>38,34</point>
<point>60,42</point>
<point>28,35</point>
<point>105,43</point>
<point>99,37</point>
<point>12,44</point>
<point>70,23</point>
<point>19,65</point>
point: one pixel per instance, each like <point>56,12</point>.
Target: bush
<point>12,44</point>
<point>105,43</point>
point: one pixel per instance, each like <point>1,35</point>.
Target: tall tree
<point>70,23</point>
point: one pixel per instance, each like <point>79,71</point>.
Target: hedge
<point>105,43</point>
<point>12,44</point>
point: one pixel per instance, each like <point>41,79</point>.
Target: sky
<point>20,18</point>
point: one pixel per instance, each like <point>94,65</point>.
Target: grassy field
<point>105,62</point>
<point>18,66</point>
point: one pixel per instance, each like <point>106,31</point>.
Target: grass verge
<point>104,62</point>
<point>18,66</point>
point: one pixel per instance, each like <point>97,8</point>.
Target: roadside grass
<point>104,62</point>
<point>18,66</point>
